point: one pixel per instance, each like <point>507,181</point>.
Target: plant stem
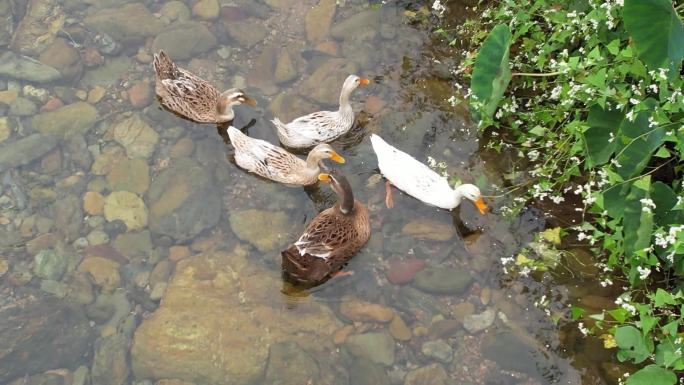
<point>536,74</point>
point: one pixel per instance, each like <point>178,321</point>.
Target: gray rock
<point>49,264</point>
<point>185,40</point>
<point>37,28</point>
<point>348,28</point>
<point>427,375</point>
<point>363,372</point>
<point>442,280</point>
<point>288,364</point>
<point>263,229</point>
<point>6,23</point>
<point>39,334</point>
<point>175,10</point>
<point>24,68</point>
<point>378,347</point>
<point>108,74</point>
<point>72,119</point>
<point>511,353</point>
<point>110,361</point>
<point>439,350</point>
<point>325,84</point>
<point>129,24</point>
<point>22,107</point>
<point>26,150</point>
<point>81,376</point>
<point>136,246</point>
<point>247,32</point>
<point>183,201</point>
<point>475,323</point>
<point>68,215</point>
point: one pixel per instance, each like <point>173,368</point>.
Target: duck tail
<point>377,142</point>
<point>163,66</point>
<point>281,129</point>
<point>303,268</point>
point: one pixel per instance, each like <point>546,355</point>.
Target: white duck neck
<point>344,100</point>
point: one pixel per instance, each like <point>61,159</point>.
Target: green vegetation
<point>588,94</point>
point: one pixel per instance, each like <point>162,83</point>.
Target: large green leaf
<point>491,72</point>
<point>637,141</point>
<point>633,345</point>
<point>638,223</point>
<point>652,375</point>
<point>614,199</point>
<point>664,199</point>
<point>603,125</point>
<point>657,32</point>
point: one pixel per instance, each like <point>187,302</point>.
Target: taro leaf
<point>665,355</point>
<point>597,143</point>
<point>657,32</point>
<point>665,199</point>
<point>492,71</point>
<point>652,375</point>
<point>632,344</point>
<point>614,199</point>
<point>637,223</point>
<point>637,142</point>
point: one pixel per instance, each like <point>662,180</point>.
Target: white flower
<point>582,329</point>
<point>437,6</point>
<point>644,272</point>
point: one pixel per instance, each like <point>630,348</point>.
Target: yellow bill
<point>364,81</point>
<point>337,158</point>
<point>323,177</point>
<point>481,205</point>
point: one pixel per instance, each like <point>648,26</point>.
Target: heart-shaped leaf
<point>632,344</point>
<point>599,138</point>
<point>652,375</point>
<point>491,72</point>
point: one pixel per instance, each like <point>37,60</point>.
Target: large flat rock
<point>218,318</point>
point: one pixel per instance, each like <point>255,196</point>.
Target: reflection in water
<point>133,250</point>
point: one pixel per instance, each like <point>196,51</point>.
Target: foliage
<point>596,110</point>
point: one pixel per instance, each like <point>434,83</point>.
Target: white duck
<point>419,181</point>
<point>322,126</point>
<point>275,163</point>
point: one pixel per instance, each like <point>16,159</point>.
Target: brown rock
<point>206,9</point>
<point>140,94</point>
<point>96,94</point>
<point>401,272</point>
<point>51,163</point>
<point>462,310</point>
<point>41,242</point>
<point>340,335</point>
<point>361,311</point>
<point>92,58</point>
<point>324,85</point>
<point>399,330</point>
<point>105,272</point>
<point>173,382</point>
<point>329,46</point>
<point>93,203</point>
<point>8,96</point>
<point>63,57</point>
<point>183,148</point>
<point>317,21</point>
<point>429,229</point>
<point>51,105</point>
<point>176,253</point>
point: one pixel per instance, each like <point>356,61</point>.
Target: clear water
<point>93,291</point>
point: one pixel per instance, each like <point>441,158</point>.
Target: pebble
<point>340,335</point>
<point>439,350</point>
<point>136,136</point>
<point>8,96</point>
<point>97,237</point>
<point>140,95</point>
<point>433,374</point>
<point>93,203</point>
<point>429,229</point>
<point>442,280</point>
<point>92,58</point>
<point>398,329</point>
<point>96,94</point>
<point>104,272</point>
<point>401,272</point>
<point>4,266</point>
<point>476,323</point>
<point>127,207</point>
<point>361,311</point>
<point>22,107</point>
<point>5,129</point>
<point>183,148</point>
<point>51,105</point>
<point>206,9</point>
<point>176,253</point>
<point>158,290</point>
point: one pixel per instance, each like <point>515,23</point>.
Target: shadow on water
<point>133,250</point>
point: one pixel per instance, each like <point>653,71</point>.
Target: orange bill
<point>364,81</point>
<point>337,158</point>
<point>323,177</point>
<point>481,205</point>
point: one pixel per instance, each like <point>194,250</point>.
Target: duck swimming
<point>332,237</point>
<point>193,97</point>
<point>419,181</point>
<point>322,126</point>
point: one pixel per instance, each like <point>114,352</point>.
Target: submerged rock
<point>182,41</point>
<point>49,264</point>
<point>439,350</point>
<point>378,347</point>
<point>443,280</point>
<point>26,150</point>
<point>226,336</point>
<point>325,84</point>
<point>363,372</point>
<point>429,229</point>
<point>362,311</point>
<point>129,24</point>
<point>477,322</point>
<point>247,32</point>
<point>289,364</point>
<point>38,28</point>
<point>24,68</point>
<point>110,362</point>
<point>136,136</point>
<point>318,19</point>
<point>265,230</point>
<point>427,375</point>
<point>128,207</point>
<point>67,121</point>
<point>64,57</point>
<point>39,334</point>
<point>183,201</point>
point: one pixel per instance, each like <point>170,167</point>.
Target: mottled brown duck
<point>193,97</point>
<point>331,239</point>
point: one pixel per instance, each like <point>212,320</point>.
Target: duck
<point>322,126</point>
<point>193,97</point>
<point>331,239</point>
<point>418,180</point>
<point>275,163</point>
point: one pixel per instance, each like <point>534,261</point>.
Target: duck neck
<point>345,106</point>
<point>345,197</point>
<point>224,110</point>
<point>458,196</point>
<point>312,162</point>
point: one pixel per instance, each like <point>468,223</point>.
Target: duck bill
<point>337,158</point>
<point>323,177</point>
<point>250,101</point>
<point>481,205</point>
<point>364,81</point>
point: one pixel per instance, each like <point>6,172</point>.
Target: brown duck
<point>193,97</point>
<point>331,239</point>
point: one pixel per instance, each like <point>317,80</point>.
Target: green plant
<point>588,94</point>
